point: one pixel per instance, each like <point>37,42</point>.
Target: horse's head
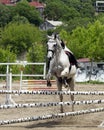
<point>51,47</point>
<point>54,43</point>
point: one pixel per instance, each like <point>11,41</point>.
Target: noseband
<point>50,50</point>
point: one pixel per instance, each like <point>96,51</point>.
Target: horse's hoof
<point>49,84</point>
<point>66,86</point>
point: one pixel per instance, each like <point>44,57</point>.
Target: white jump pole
<point>51,116</point>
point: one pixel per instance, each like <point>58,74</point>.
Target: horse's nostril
<point>50,58</point>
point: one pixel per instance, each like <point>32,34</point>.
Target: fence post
<point>9,99</point>
<point>7,84</point>
<point>21,80</point>
<point>44,71</point>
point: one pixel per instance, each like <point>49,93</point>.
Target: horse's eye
<point>54,45</point>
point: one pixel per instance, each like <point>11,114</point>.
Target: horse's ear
<point>48,36</point>
<point>56,35</point>
<point>62,44</point>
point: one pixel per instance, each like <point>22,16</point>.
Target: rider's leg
<point>65,72</point>
<point>72,59</point>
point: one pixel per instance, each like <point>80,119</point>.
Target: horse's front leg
<point>48,79</point>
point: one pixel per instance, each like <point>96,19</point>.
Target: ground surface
<point>81,122</point>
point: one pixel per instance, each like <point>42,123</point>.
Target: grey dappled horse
<point>60,66</point>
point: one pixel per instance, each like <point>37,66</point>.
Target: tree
<point>55,10</point>
<point>24,9</point>
<point>19,19</point>
<point>73,12</point>
<point>96,44</point>
<point>5,15</point>
<point>78,42</point>
<point>37,53</point>
<point>19,37</point>
<point>75,22</point>
<point>88,42</point>
<point>87,9</point>
<point>6,56</point>
<point>70,14</point>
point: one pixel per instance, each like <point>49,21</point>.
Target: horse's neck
<point>59,50</point>
<point>59,47</point>
<point>58,44</point>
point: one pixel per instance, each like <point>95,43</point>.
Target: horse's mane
<point>62,44</point>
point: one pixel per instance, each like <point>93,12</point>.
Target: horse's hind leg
<point>66,85</point>
<point>59,85</point>
<point>72,84</point>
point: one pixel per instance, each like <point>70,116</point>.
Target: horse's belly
<point>57,70</point>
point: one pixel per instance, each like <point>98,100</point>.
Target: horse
<point>60,67</point>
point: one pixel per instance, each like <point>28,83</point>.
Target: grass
<point>91,82</point>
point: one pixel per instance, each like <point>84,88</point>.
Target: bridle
<point>50,50</point>
<point>53,51</point>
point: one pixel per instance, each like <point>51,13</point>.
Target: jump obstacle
<point>50,92</point>
<point>38,85</point>
<point>53,116</point>
<point>49,104</point>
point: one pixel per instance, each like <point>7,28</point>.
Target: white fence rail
<point>8,74</point>
<point>25,64</point>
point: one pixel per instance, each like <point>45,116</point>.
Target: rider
<point>71,56</point>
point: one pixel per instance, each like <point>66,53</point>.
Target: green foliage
<point>6,56</point>
<point>37,53</point>
<point>73,12</point>
<point>19,37</point>
<point>24,9</point>
<point>86,9</point>
<point>81,34</point>
<point>87,42</point>
<point>55,10</point>
<point>96,48</point>
<point>19,19</point>
<point>75,22</point>
<point>5,15</point>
